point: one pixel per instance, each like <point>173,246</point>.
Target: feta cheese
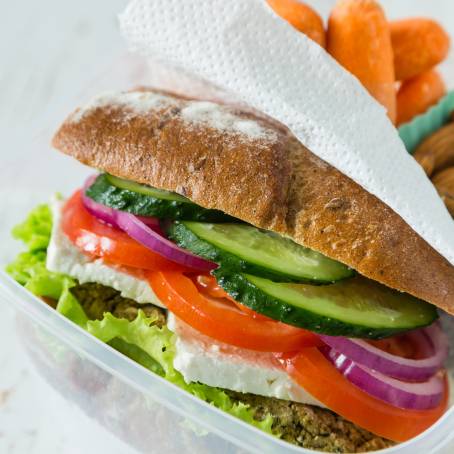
<point>202,359</point>
<point>63,257</point>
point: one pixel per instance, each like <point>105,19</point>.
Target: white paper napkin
<point>242,46</point>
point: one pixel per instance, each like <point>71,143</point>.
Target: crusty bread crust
<point>226,159</point>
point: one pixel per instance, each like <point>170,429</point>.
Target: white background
<point>50,52</point>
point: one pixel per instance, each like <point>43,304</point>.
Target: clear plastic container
<point>142,410</point>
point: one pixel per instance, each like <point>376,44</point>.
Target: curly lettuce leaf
<point>159,344</point>
<point>136,354</point>
<point>29,268</point>
<point>141,340</point>
<point>35,231</point>
<point>27,265</point>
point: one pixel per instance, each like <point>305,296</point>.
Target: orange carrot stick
<point>359,39</point>
<point>302,17</point>
<point>416,95</point>
<point>418,44</point>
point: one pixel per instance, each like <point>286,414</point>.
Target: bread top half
<point>224,158</point>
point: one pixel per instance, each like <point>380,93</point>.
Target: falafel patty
<point>300,424</point>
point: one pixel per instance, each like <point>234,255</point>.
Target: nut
<point>444,183</point>
<point>438,147</point>
<point>427,162</point>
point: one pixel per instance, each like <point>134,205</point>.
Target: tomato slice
<point>98,239</point>
<point>310,369</point>
<point>208,286</point>
<point>220,319</point>
<point>401,345</point>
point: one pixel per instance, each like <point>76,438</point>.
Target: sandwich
<point>216,250</point>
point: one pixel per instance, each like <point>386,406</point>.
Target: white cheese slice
<point>201,359</point>
<point>64,257</point>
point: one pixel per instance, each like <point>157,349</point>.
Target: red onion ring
<point>415,396</point>
<point>431,339</point>
<point>109,215</point>
<point>139,229</point>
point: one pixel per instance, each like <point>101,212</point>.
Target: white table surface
<point>50,50</point>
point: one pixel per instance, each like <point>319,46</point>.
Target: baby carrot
<point>359,39</point>
<point>302,17</point>
<point>418,44</point>
<point>416,95</point>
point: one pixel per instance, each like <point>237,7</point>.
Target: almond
<point>427,162</point>
<point>438,147</point>
<point>444,183</point>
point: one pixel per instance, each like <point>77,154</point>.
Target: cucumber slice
<point>354,307</point>
<point>144,200</point>
<point>145,190</point>
<point>241,247</point>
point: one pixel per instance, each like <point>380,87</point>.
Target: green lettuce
<point>35,231</point>
<point>159,344</point>
<point>143,341</point>
<point>29,268</point>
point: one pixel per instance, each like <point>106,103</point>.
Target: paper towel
<point>242,46</point>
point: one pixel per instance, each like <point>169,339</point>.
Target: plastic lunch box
<point>143,410</point>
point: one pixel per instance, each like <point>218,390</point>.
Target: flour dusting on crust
<point>193,112</point>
